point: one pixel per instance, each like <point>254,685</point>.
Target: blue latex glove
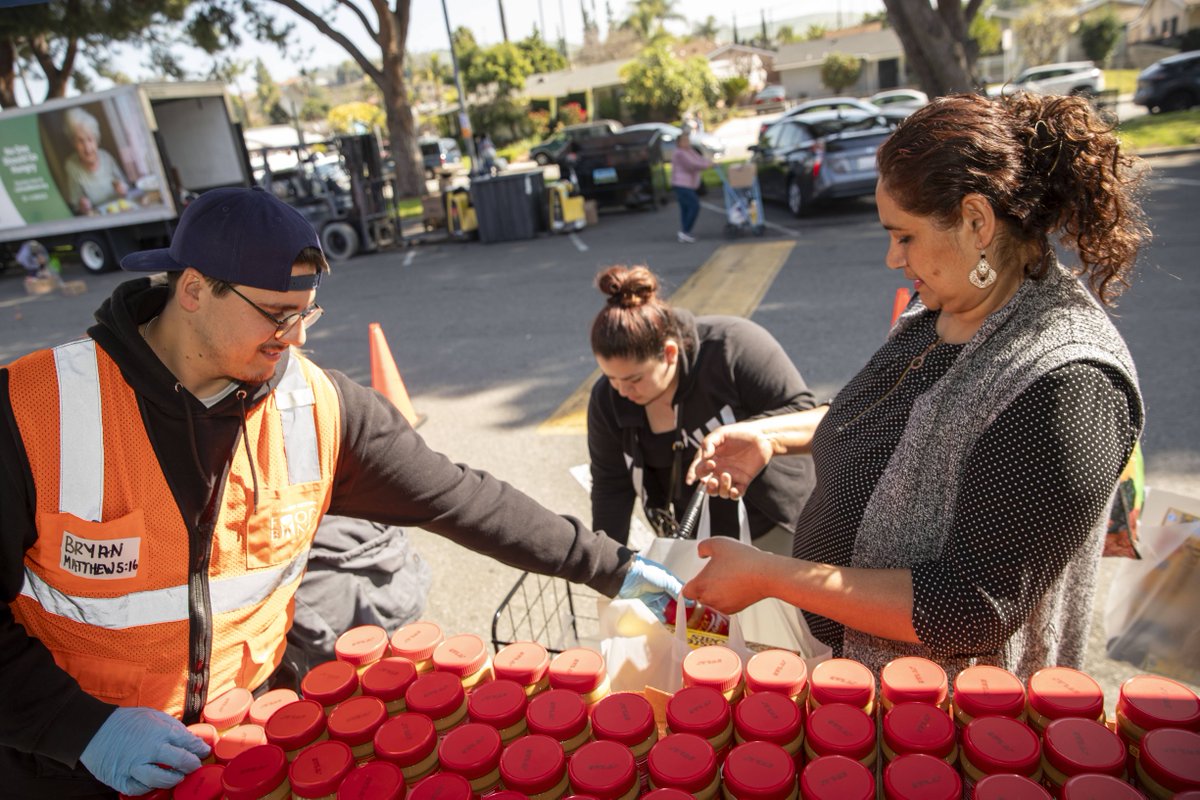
<point>139,749</point>
<point>652,583</point>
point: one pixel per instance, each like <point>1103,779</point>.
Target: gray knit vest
<point>1048,323</point>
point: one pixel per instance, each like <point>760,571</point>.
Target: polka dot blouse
<point>1034,484</point>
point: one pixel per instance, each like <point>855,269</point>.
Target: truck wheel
<point>542,159</point>
<point>339,240</point>
<point>95,254</point>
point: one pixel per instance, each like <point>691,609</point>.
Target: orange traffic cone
<point>900,303</point>
<point>385,377</point>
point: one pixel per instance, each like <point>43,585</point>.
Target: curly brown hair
<point>1048,165</point>
<point>635,323</point>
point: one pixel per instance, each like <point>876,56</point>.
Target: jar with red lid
<point>442,786</point>
<point>526,663</point>
<point>361,646</point>
<point>318,771</point>
<point>416,642</point>
<point>203,784</point>
<point>260,773</point>
<point>667,794</point>
<point>836,778</point>
<point>296,726</point>
<point>1169,762</point>
<point>986,691</point>
<point>439,696</point>
<point>919,728</point>
<point>1101,787</point>
<point>507,794</point>
<point>686,762</point>
<point>992,745</point>
<point>501,704</point>
<point>1150,702</point>
<point>266,705</point>
<point>206,733</point>
<point>1007,787</point>
<point>716,666</point>
<point>705,712</point>
<point>771,717</point>
<point>561,715</point>
<point>535,766</point>
<point>378,780</point>
<point>838,729</point>
<point>237,740</point>
<point>410,742</point>
<point>912,679</point>
<point>473,751</point>
<point>466,657</point>
<point>758,771</point>
<point>330,683</point>
<point>228,710</point>
<point>842,680</point>
<point>1062,692</point>
<point>779,671</point>
<point>1075,746</point>
<point>916,776</point>
<point>388,679</point>
<point>604,771</point>
<point>580,670</point>
<point>628,719</point>
<point>153,794</point>
<point>355,723</point>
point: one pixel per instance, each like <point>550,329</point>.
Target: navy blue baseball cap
<point>244,236</point>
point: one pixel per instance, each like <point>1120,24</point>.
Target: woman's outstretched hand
<point>733,577</point>
<point>728,459</point>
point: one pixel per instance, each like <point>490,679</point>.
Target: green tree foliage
<point>356,116</point>
<point>785,34</point>
<point>732,89</point>
<point>815,32</point>
<point>986,34</point>
<point>647,17</point>
<point>270,99</point>
<point>504,65</point>
<point>1043,29</point>
<point>1099,36</point>
<point>840,71</point>
<point>542,57</point>
<point>707,30</point>
<point>659,86</point>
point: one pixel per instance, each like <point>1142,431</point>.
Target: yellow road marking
<point>732,282</point>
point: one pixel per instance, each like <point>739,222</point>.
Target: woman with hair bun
<point>670,378</point>
<point>964,476</point>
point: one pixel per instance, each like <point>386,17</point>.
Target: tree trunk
<point>402,135</point>
<point>933,50</point>
<point>8,74</point>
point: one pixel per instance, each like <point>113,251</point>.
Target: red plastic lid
<point>203,784</point>
<point>356,720</point>
<point>712,665</point>
<point>701,710</point>
<point>296,724</point>
<point>985,691</point>
<point>571,797</point>
<point>919,728</point>
<point>416,641</point>
<point>507,794</point>
<point>913,680</point>
<point>533,764</point>
<point>921,777</point>
<point>254,772</point>
<point>768,716</point>
<point>406,739</point>
<point>623,717</point>
<point>1009,787</point>
<point>375,780</point>
<point>1074,745</point>
<point>839,729</point>
<point>1057,692</point>
<point>604,770</point>
<point>759,770</point>
<point>318,770</point>
<point>557,713</point>
<point>237,740</point>
<point>667,794</point>
<point>206,732</point>
<point>682,761</point>
<point>471,750</point>
<point>523,662</point>
<point>389,678</point>
<point>442,786</point>
<point>578,669</point>
<point>499,703</point>
<point>1171,758</point>
<point>1100,787</point>
<point>1150,702</point>
<point>464,654</point>
<point>438,694</point>
<point>329,682</point>
<point>362,644</point>
<point>1001,744</point>
<point>229,709</point>
<point>153,794</point>
<point>836,778</point>
<point>262,708</point>
<point>842,680</point>
<point>776,671</point>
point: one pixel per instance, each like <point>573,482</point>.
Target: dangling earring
<point>983,275</point>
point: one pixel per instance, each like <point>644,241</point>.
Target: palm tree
<point>648,16</point>
<point>706,30</point>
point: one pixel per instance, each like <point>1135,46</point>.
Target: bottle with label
<point>699,617</point>
<point>526,663</point>
<point>465,656</point>
<point>580,670</point>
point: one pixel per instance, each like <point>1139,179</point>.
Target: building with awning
<point>596,87</point>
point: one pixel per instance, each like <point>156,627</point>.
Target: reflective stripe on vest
<point>81,483</point>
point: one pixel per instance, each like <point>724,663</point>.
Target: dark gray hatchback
<point>1171,83</point>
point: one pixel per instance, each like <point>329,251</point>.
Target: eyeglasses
<point>307,318</point>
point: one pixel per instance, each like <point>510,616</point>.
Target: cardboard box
<point>591,212</point>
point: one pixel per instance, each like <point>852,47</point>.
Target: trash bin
<point>509,207</point>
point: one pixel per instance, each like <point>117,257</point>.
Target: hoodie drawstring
<point>241,395</point>
<point>191,427</point>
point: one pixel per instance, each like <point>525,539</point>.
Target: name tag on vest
<point>102,559</point>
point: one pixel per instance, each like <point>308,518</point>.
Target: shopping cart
<point>743,200</point>
<point>550,611</point>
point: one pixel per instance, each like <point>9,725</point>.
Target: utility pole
<point>542,22</point>
<point>503,26</point>
<point>464,121</point>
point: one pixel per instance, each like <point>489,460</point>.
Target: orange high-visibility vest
<point>107,583</point>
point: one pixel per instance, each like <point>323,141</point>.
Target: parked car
<point>437,154</point>
<point>1170,84</point>
<point>805,159</point>
<point>552,148</point>
<point>907,99</point>
<point>711,146</point>
<point>843,105</point>
<point>1069,77</point>
<point>774,93</point>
